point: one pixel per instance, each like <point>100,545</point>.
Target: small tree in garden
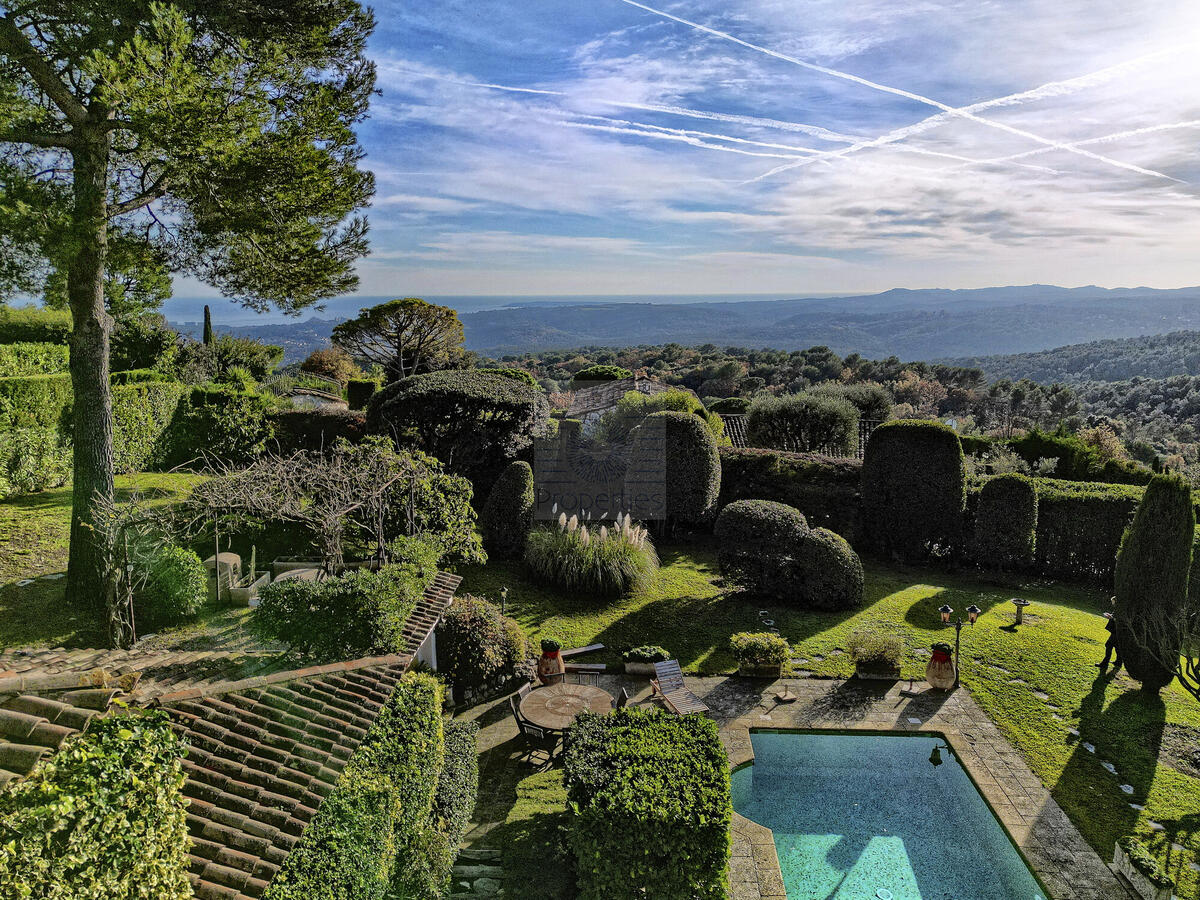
<point>507,516</point>
<point>1153,567</point>
<point>871,399</point>
<point>405,337</point>
<point>477,644</point>
<point>635,407</point>
<point>913,488</point>
<point>1006,522</point>
<point>806,422</point>
<point>331,362</point>
<point>473,422</point>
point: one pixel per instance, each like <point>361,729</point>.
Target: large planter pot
<point>551,667</point>
<point>940,671</point>
<point>644,669</point>
<point>760,670</point>
<point>1124,866</point>
<point>245,594</point>
<point>876,672</point>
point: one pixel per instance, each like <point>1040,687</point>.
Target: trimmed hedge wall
<point>913,488</point>
<point>693,466</point>
<point>103,818</point>
<point>359,392</point>
<point>824,489</point>
<point>316,428</point>
<point>36,401</point>
<point>1006,522</point>
<point>650,805</point>
<point>375,836</point>
<point>507,515</point>
<point>34,324</point>
<point>29,358</point>
<point>142,413</point>
<point>759,544</point>
<point>458,783</point>
<point>1079,527</point>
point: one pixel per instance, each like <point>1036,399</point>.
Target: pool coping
<point>1058,856</point>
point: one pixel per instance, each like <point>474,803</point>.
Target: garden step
<point>478,855</point>
<point>477,872</point>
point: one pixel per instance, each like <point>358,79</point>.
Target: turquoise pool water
<point>869,817</point>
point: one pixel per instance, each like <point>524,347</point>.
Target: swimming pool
<point>870,817</point>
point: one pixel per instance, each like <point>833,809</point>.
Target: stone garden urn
<point>550,667</point>
<point>940,671</point>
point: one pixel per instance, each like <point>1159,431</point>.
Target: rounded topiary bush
<point>477,645</point>
<point>1006,522</point>
<point>913,488</point>
<point>759,543</point>
<point>830,571</point>
<point>175,588</point>
<point>686,450</point>
<point>507,515</point>
<point>1153,566</point>
<point>593,374</point>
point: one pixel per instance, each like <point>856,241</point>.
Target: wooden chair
<point>580,677</point>
<point>668,685</point>
<point>536,738</point>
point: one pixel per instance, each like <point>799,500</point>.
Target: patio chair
<point>580,677</point>
<point>668,685</point>
<point>535,738</point>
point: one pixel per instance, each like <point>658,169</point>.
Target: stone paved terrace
<point>1068,867</point>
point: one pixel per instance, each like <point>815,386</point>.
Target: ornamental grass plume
<point>607,562</point>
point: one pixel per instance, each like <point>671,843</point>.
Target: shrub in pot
<point>550,666</point>
<point>641,660</point>
<point>876,655</point>
<point>760,654</point>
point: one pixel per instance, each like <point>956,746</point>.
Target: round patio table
<point>555,706</point>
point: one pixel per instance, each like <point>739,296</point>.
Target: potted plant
<point>760,654</point>
<point>940,671</point>
<point>550,667</point>
<point>876,655</point>
<point>1141,869</point>
<point>641,660</point>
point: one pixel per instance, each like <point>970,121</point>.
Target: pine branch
<point>16,45</point>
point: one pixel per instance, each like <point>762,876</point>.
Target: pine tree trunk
<point>92,413</point>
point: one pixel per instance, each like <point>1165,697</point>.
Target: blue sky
<point>540,146</point>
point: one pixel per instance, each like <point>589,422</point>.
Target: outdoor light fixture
<point>973,611</point>
<point>945,610</point>
<point>935,757</point>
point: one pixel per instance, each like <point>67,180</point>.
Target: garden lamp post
<point>973,612</point>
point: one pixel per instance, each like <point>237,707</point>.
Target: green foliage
<point>650,653</point>
<point>33,459</point>
<point>811,422</point>
<point>1077,460</point>
<point>477,645</point>
<point>692,465</point>
<point>875,650</point>
<point>26,358</point>
<point>515,374</point>
<point>441,511</point>
<point>143,342</point>
<point>759,648</point>
<point>315,428</point>
<point>352,615</point>
<point>825,490</point>
<point>913,488</point>
<point>729,405</point>
<point>197,362</point>
<point>507,515</point>
<point>331,362</point>
<point>103,818</point>
<point>1006,522</point>
<point>1153,566</point>
<point>458,783</point>
<point>594,374</point>
<point>602,561</point>
<point>873,401</point>
<point>222,423</point>
<point>34,324</point>
<point>175,587</point>
<point>831,574</point>
<point>758,545</point>
<point>474,423</point>
<point>405,337</point>
<point>635,407</point>
<point>1144,861</point>
<point>35,401</point>
<point>1079,527</point>
<point>359,392</point>
<point>375,836</point>
<point>142,414</point>
<point>650,806</point>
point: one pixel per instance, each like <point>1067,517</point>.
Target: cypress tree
<point>208,331</point>
<point>1153,565</point>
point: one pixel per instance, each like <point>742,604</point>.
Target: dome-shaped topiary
<point>1006,522</point>
<point>691,466</point>
<point>831,573</point>
<point>759,543</point>
<point>507,515</point>
<point>913,488</point>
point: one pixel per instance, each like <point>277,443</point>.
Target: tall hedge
<point>375,835</point>
<point>103,818</point>
<point>831,574</point>
<point>692,466</point>
<point>594,374</point>
<point>1080,526</point>
<point>650,806</point>
<point>758,544</point>
<point>1006,522</point>
<point>458,783</point>
<point>913,488</point>
<point>1153,567</point>
<point>30,358</point>
<point>222,422</point>
<point>142,414</point>
<point>34,324</point>
<point>507,515</point>
<point>809,423</point>
<point>315,428</point>
<point>35,401</point>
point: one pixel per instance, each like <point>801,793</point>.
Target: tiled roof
<point>604,396</point>
<point>263,750</point>
<point>735,428</point>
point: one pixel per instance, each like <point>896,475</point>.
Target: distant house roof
<point>265,746</point>
<point>604,396</point>
<point>735,428</point>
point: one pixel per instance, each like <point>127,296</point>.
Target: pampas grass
<point>604,561</point>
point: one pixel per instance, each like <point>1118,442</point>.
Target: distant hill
<point>911,324</point>
<point>1153,356</point>
<point>298,339</point>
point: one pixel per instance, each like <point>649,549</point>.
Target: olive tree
<point>216,137</point>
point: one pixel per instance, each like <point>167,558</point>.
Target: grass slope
<point>1037,682</point>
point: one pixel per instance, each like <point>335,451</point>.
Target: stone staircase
<point>477,873</point>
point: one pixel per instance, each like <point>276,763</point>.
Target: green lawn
<point>34,532</point>
<point>1154,742</point>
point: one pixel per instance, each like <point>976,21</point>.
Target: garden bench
<point>668,684</point>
